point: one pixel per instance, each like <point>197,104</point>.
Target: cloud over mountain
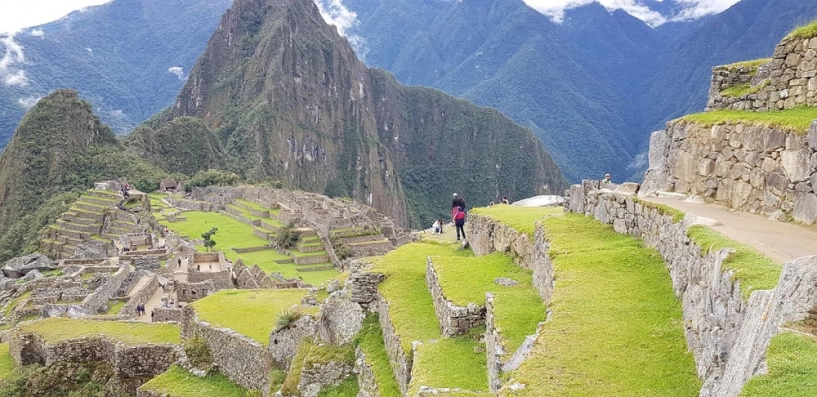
<point>689,9</point>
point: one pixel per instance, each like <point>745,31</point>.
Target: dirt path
<point>139,284</point>
<point>780,241</point>
<point>155,300</point>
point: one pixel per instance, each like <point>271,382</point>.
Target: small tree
<point>209,243</point>
<point>287,237</point>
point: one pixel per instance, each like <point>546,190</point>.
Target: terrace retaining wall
<point>367,384</point>
<point>283,343</point>
<point>323,375</point>
<point>401,361</point>
<point>727,335</point>
<point>453,319</point>
<point>142,296</point>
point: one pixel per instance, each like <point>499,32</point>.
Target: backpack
<point>460,215</point>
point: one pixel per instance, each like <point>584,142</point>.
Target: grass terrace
<point>310,353</point>
<point>450,363</point>
<point>522,219</point>
<point>804,32</point>
<point>57,329</point>
<point>615,328</point>
<point>792,360</point>
<point>411,308</point>
<point>751,65</point>
<point>252,313</point>
<point>348,388</point>
<point>235,234</point>
<point>16,301</point>
<point>677,215</point>
<point>795,120</point>
<point>370,341</point>
<point>7,365</point>
<point>518,308</point>
<point>739,90</point>
<point>256,206</point>
<point>754,270</point>
<point>177,382</point>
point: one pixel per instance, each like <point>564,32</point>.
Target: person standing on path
<point>459,221</point>
<point>457,203</point>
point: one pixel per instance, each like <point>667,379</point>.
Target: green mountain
<point>59,149</point>
<point>118,56</point>
<point>288,100</point>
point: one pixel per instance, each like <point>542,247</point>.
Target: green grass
<point>806,31</point>
<point>677,215</point>
<point>751,65</point>
<point>795,120</point>
<point>310,353</point>
<point>370,341</point>
<point>754,270</point>
<point>7,364</point>
<point>16,301</point>
<point>235,234</point>
<point>347,388</point>
<point>522,219</point>
<point>177,382</point>
<point>115,307</point>
<point>411,308</point>
<point>56,329</point>
<point>244,212</point>
<point>252,313</point>
<point>518,308</point>
<point>615,328</point>
<point>792,360</point>
<point>739,90</point>
<point>252,205</point>
<point>450,363</point>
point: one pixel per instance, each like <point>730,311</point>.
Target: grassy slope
<point>754,270</point>
<point>235,234</point>
<point>177,382</point>
<point>615,328</point>
<point>522,219</point>
<point>792,360</point>
<point>805,32</point>
<point>56,329</point>
<point>518,308</point>
<point>249,312</point>
<point>6,362</point>
<point>410,305</point>
<point>464,368</point>
<point>795,120</point>
<point>347,388</point>
<point>370,341</point>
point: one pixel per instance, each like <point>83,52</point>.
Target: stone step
<point>349,233</point>
<point>90,207</point>
<point>93,228</point>
<point>287,261</point>
<point>84,217</point>
<point>315,269</point>
<point>263,233</point>
<point>361,239</point>
<point>312,247</point>
<point>305,231</point>
<point>102,202</point>
<point>271,225</point>
<point>105,194</point>
<point>311,259</point>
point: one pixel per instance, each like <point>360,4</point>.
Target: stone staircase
<point>361,242</point>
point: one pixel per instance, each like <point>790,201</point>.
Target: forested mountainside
<point>287,99</point>
<point>118,56</point>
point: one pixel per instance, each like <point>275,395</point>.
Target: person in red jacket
<point>459,222</point>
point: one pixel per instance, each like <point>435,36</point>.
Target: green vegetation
<point>56,329</point>
<point>739,90</point>
<point>64,379</point>
<point>411,308</point>
<point>252,313</point>
<point>754,270</point>
<point>7,364</point>
<point>209,243</point>
<point>795,120</point>
<point>752,65</point>
<point>348,388</point>
<point>806,31</point>
<point>287,317</point>
<point>177,382</point>
<point>185,145</point>
<point>235,234</point>
<point>521,219</point>
<point>115,306</point>
<point>518,308</point>
<point>16,301</point>
<point>450,363</point>
<point>198,353</point>
<point>286,238</point>
<point>792,360</point>
<point>615,328</point>
<point>370,341</point>
<point>677,215</point>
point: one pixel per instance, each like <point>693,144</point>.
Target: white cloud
<point>37,32</point>
<point>178,71</point>
<point>335,13</point>
<point>28,102</point>
<point>691,9</point>
<point>16,15</point>
<point>10,74</point>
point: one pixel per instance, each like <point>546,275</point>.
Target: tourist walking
<point>458,202</point>
<point>459,222</point>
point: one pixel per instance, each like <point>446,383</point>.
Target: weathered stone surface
<point>20,266</point>
<point>796,164</point>
<point>658,175</point>
<point>283,342</point>
<point>505,282</point>
<point>805,208</point>
<point>341,318</point>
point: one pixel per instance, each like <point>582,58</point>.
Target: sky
<point>18,14</point>
<point>690,9</point>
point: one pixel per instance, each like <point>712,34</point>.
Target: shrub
<point>287,317</point>
<point>343,252</point>
<point>287,237</point>
<point>212,178</point>
<point>198,353</point>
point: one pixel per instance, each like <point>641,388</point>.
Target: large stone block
<point>805,208</point>
<point>796,164</point>
<point>773,139</point>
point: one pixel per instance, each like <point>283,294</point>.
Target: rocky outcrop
<point>19,267</point>
<point>341,318</point>
<point>284,342</point>
<point>747,167</point>
<point>787,80</point>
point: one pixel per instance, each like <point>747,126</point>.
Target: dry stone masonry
<point>454,319</point>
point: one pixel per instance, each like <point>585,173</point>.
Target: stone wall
<point>283,343</point>
<point>454,319</point>
<point>128,361</point>
<point>220,280</point>
<point>787,80</point>
<point>727,336</point>
<point>341,318</point>
<point>243,360</point>
<point>323,375</point>
<point>746,167</point>
<point>142,296</point>
<point>191,292</point>
<point>363,284</point>
<point>366,381</point>
<point>487,236</point>
<point>98,300</point>
<point>165,314</point>
<point>401,361</point>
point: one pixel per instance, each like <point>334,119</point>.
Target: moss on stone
<point>739,90</point>
<point>677,215</point>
